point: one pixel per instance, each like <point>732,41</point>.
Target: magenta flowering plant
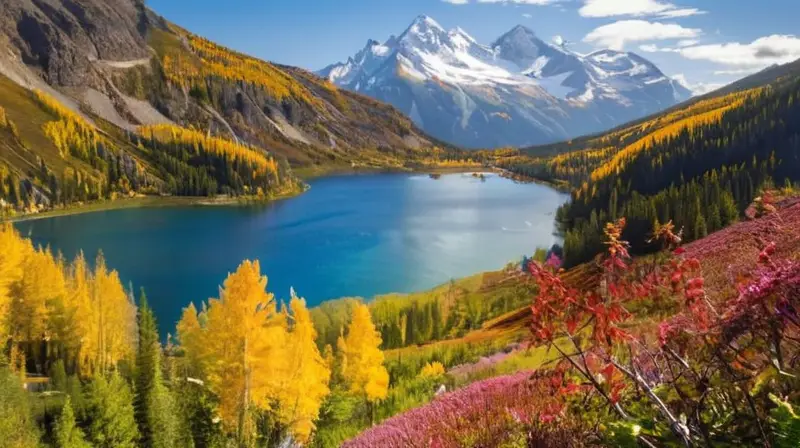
<point>686,374</point>
<point>524,407</point>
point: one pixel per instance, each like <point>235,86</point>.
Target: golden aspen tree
<point>202,143</point>
<point>79,290</point>
<point>190,336</point>
<point>244,345</point>
<point>15,250</point>
<point>42,282</point>
<point>305,380</point>
<point>362,359</point>
<point>116,317</point>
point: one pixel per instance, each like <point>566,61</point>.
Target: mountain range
<point>518,91</point>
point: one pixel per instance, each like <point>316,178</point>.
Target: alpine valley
<point>517,91</point>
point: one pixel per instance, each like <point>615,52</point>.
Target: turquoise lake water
<point>357,235</point>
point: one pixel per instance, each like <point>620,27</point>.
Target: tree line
<point>721,154</point>
<point>242,369</point>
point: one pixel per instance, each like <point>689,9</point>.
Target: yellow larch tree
<point>78,315</point>
<point>42,283</point>
<point>190,336</point>
<point>305,380</point>
<point>15,251</point>
<point>362,358</point>
<point>115,318</point>
<point>202,143</point>
<point>244,345</point>
<point>79,286</point>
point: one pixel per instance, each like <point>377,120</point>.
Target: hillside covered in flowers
<point>696,345</point>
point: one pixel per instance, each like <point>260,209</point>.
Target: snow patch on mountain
<point>457,88</point>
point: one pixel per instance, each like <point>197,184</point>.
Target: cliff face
<point>61,38</point>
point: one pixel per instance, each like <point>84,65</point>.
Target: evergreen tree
<point>75,393</point>
<point>714,218</point>
<point>58,376</point>
<point>700,228</point>
<point>67,434</point>
<point>17,426</point>
<point>110,411</point>
<point>410,328</point>
<point>153,403</point>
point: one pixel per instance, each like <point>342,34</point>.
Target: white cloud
<point>616,35</point>
<point>527,16</point>
<point>700,88</point>
<point>639,8</point>
<point>653,48</point>
<point>680,12</point>
<point>736,72</point>
<point>688,43</point>
<point>762,52</point>
<point>456,2</point>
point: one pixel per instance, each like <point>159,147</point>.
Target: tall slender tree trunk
<point>245,398</point>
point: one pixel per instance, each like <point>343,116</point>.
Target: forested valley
<point>699,167</point>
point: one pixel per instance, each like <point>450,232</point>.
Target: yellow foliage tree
<point>15,251</point>
<point>432,370</point>
<point>68,308</point>
<point>71,133</point>
<point>202,143</point>
<point>41,285</point>
<point>305,381</point>
<point>79,284</point>
<point>243,348</point>
<point>115,318</point>
<point>190,338</point>
<point>362,359</point>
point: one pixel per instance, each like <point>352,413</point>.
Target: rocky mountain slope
<point>113,66</point>
<point>517,91</point>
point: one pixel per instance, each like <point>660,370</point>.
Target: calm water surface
<point>348,236</point>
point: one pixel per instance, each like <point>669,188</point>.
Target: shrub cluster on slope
<point>651,353</point>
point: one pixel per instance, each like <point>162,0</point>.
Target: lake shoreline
<point>351,235</point>
<point>152,202</point>
<point>317,173</point>
<point>202,201</point>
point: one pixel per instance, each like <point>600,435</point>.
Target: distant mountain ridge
<point>517,91</point>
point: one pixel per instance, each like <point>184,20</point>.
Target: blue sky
<point>710,42</point>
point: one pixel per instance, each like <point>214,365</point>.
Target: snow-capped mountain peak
<point>426,34</point>
<point>519,90</point>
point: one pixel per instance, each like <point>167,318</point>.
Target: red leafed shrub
<point>706,375</point>
<point>525,409</point>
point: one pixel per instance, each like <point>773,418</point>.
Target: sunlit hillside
<point>699,166</point>
<point>171,113</point>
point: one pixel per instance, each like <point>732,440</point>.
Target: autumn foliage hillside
<point>79,111</point>
<point>694,346</point>
<point>698,165</point>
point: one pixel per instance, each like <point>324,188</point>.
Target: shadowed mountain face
<point>63,37</point>
<point>517,91</point>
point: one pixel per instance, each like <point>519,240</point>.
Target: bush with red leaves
<point>704,378</point>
